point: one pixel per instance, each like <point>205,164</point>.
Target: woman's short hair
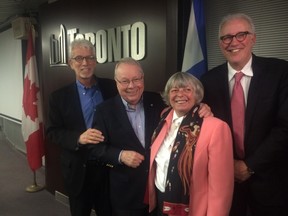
<point>182,80</point>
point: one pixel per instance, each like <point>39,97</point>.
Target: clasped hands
<point>241,171</point>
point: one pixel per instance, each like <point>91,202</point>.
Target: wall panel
<point>161,48</point>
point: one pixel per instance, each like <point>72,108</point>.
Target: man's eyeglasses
<point>88,59</point>
<point>126,83</point>
<point>240,36</point>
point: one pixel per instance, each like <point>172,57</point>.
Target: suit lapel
<point>124,120</point>
<point>160,132</point>
<point>224,91</point>
<point>75,105</point>
<point>253,94</point>
<point>122,114</point>
<point>150,119</point>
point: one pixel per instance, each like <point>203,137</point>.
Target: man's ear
<point>70,64</point>
<point>254,39</point>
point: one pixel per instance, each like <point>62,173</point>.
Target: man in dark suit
<point>71,112</point>
<point>261,174</point>
<point>127,122</point>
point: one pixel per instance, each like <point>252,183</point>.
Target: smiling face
<point>84,69</point>
<point>130,82</point>
<point>182,99</point>
<point>183,91</point>
<point>237,53</point>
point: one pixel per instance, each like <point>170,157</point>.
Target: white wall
<point>11,76</point>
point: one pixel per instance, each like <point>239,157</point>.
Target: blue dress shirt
<point>89,98</point>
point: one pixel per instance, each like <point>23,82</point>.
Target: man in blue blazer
<point>261,174</point>
<point>71,112</point>
<point>127,122</point>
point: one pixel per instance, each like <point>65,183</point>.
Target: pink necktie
<point>238,114</point>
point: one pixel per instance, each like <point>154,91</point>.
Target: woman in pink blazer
<point>191,164</point>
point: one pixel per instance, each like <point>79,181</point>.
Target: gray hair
<point>181,80</point>
<point>81,43</point>
<point>237,16</point>
<point>128,60</point>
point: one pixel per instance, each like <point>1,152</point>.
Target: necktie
<point>238,114</point>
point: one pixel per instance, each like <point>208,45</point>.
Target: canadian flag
<point>32,121</point>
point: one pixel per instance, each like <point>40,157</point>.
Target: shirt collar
<point>176,118</point>
<point>247,70</point>
<point>81,86</point>
<point>128,106</point>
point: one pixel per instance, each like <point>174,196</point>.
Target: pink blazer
<point>212,181</point>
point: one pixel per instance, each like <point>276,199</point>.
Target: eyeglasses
<point>240,36</point>
<point>176,90</point>
<point>88,59</point>
<point>126,83</point>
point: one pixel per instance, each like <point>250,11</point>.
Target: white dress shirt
<point>163,155</point>
<point>245,81</point>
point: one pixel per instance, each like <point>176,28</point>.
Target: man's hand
<point>241,172</point>
<point>205,110</point>
<point>131,158</point>
<point>91,136</point>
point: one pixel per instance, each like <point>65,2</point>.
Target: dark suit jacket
<point>65,124</point>
<point>266,123</point>
<point>127,185</point>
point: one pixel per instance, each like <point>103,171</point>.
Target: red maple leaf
<point>30,99</point>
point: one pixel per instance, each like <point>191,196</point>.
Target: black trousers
<point>95,194</point>
<point>134,212</point>
<point>160,201</point>
<point>244,205</point>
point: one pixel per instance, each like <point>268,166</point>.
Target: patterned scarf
<point>176,196</point>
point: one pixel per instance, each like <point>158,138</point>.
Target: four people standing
<point>191,165</point>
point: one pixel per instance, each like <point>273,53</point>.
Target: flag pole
<point>34,187</point>
<point>32,127</point>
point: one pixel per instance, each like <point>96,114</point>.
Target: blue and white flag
<point>195,54</point>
